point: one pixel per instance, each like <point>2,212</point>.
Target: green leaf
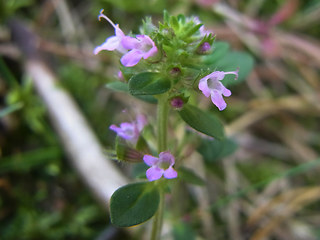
<point>220,49</point>
<point>124,87</point>
<point>166,16</point>
<point>214,150</point>
<point>191,31</point>
<point>174,23</point>
<point>118,86</point>
<point>147,98</point>
<point>231,62</point>
<point>133,204</point>
<point>189,176</point>
<point>148,83</point>
<point>202,121</point>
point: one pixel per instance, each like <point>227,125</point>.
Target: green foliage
<point>221,59</point>
<point>220,49</point>
<point>233,60</point>
<point>9,7</point>
<point>118,86</point>
<point>189,176</point>
<point>142,5</point>
<point>214,150</point>
<point>202,121</point>
<point>26,161</point>
<point>148,83</point>
<point>22,97</point>
<point>133,204</point>
<point>183,231</point>
<point>35,224</point>
<point>261,171</point>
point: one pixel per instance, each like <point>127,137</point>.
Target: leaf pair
<point>151,83</point>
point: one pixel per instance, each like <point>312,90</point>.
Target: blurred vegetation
<point>272,119</point>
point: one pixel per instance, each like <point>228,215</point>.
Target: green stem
<point>162,125</point>
<point>158,218</point>
<point>162,122</point>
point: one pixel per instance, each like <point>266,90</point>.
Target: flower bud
<point>175,71</point>
<point>204,48</point>
<point>127,154</point>
<point>177,103</point>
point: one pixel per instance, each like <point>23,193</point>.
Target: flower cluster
<point>164,61</point>
<point>132,48</point>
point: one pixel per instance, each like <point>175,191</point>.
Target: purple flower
<point>160,166</point>
<point>211,85</point>
<point>130,131</point>
<point>140,47</point>
<point>114,42</point>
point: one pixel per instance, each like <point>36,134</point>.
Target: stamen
<point>101,15</point>
<point>234,72</point>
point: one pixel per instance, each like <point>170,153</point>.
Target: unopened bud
<point>204,48</point>
<point>175,71</point>
<point>177,103</point>
<point>127,154</point>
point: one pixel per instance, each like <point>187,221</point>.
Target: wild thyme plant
<point>165,65</point>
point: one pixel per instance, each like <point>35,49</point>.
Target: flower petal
<point>119,33</point>
<point>114,128</point>
<point>147,46</point>
<point>170,173</point>
<point>225,91</point>
<point>217,99</point>
<point>154,173</point>
<point>150,160</point>
<point>203,86</point>
<point>130,42</point>
<point>166,157</point>
<point>145,40</point>
<point>141,121</point>
<point>131,58</point>
<point>219,75</point>
<point>110,44</point>
<point>221,88</point>
<point>153,51</point>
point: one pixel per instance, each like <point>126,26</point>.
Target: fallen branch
<point>79,141</point>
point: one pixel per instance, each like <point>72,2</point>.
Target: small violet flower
<point>130,131</point>
<point>114,42</point>
<point>211,85</point>
<point>160,166</point>
<point>140,47</point>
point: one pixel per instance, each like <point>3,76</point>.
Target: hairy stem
<point>158,218</point>
<point>162,122</point>
<point>162,125</point>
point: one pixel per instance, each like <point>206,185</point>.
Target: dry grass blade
<point>282,207</point>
